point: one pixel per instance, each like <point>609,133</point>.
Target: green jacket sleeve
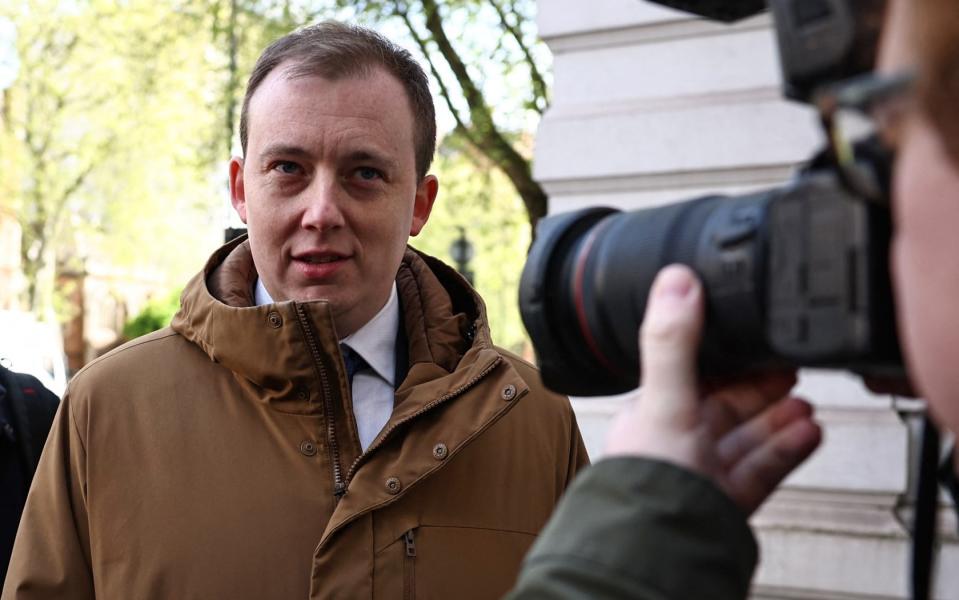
<point>641,528</point>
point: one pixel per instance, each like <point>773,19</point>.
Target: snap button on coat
<point>393,485</point>
<point>440,451</point>
<point>308,448</point>
<point>509,392</point>
<point>276,321</point>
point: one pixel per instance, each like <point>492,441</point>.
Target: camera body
<point>820,41</point>
<point>793,276</point>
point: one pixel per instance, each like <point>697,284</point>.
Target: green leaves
<point>95,121</point>
<point>157,314</point>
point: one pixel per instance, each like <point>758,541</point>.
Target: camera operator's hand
<point>744,435</point>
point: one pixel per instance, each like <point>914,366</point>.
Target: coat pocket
<point>409,565</point>
<point>441,562</point>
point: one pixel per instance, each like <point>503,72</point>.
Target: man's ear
<point>423,203</point>
<point>237,191</point>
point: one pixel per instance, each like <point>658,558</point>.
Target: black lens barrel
<point>583,291</point>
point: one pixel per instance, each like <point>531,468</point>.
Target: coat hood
<point>270,346</point>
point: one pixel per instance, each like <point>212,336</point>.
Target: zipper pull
<point>410,546</point>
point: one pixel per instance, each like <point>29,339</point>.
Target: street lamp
<point>462,252</point>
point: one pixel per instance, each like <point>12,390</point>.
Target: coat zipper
<point>409,580</point>
<point>339,486</point>
<point>444,398</point>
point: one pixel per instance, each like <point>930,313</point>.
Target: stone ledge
<point>668,68</point>
<point>637,144</point>
<point>767,175</point>
<point>653,25</point>
<point>836,511</point>
<point>818,564</point>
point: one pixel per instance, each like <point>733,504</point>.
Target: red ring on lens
<point>578,303</point>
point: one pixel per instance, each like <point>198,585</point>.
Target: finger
<point>774,383</point>
<point>669,341</point>
<point>755,477</point>
<point>739,441</point>
<point>718,418</point>
<point>749,397</point>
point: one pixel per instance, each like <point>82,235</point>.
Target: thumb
<point>669,338</point>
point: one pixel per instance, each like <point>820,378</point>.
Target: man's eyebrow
<point>285,150</point>
<point>374,157</point>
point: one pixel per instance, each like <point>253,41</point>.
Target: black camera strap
<point>926,512</point>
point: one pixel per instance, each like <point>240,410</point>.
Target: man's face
<point>329,191</point>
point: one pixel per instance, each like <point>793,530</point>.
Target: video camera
<point>793,276</point>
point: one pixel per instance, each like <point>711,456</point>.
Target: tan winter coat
<point>219,458</point>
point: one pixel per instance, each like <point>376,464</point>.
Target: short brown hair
<point>937,35</point>
<point>334,50</point>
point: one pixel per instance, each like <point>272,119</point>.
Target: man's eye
<point>368,174</point>
<point>286,167</point>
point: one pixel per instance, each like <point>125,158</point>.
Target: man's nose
<point>322,209</point>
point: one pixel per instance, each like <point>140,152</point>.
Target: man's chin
<point>317,294</point>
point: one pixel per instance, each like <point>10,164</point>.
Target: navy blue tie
<point>353,362</point>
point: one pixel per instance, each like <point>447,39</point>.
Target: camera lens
<point>792,276</point>
<point>583,291</point>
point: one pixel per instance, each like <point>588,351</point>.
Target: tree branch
<point>485,133</point>
<point>444,91</point>
<point>540,93</point>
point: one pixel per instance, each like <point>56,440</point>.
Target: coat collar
<point>268,348</point>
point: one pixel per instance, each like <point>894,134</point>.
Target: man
<point>235,455</point>
<point>665,517</point>
<point>26,412</point>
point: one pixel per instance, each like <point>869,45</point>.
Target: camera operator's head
<point>924,34</point>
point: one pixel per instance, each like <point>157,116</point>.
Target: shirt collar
<point>375,341</point>
<point>260,295</point>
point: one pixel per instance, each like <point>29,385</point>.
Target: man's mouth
<point>320,264</point>
<point>319,260</point>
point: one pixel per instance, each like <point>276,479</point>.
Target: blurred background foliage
<point>117,120</point>
<point>155,315</point>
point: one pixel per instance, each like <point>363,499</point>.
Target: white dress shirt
<point>372,388</point>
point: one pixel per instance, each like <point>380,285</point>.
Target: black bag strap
<point>948,476</point>
<point>926,513</point>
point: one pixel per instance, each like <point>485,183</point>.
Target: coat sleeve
<point>51,555</point>
<point>641,529</point>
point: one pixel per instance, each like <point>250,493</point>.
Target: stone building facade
<point>652,106</point>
